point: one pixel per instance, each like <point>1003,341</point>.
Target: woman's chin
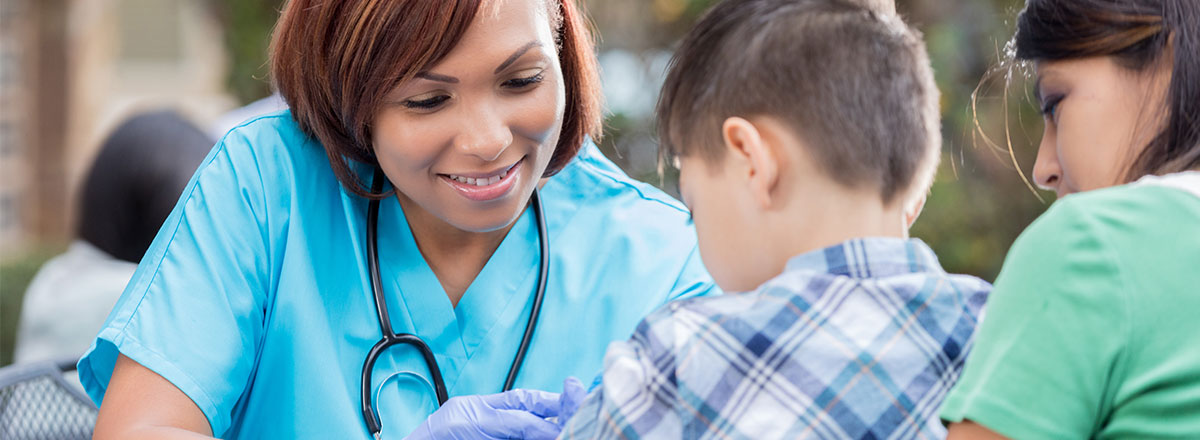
<point>484,222</point>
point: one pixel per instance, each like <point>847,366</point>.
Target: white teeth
<point>482,181</point>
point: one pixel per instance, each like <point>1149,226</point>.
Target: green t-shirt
<point>1093,329</point>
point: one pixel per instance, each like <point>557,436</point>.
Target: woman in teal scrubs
<point>252,313</point>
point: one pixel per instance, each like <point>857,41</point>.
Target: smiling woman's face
<point>469,138</point>
<point>1098,117</point>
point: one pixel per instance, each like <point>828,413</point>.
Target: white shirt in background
<point>67,302</point>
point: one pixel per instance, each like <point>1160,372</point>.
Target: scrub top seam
<point>123,333</point>
<point>584,162</point>
<point>274,115</point>
<point>182,206</point>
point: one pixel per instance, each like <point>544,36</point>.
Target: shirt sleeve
<point>193,312</point>
<point>637,396</point>
<point>1053,333</point>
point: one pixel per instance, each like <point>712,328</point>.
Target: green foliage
<point>248,25</point>
<point>979,203</point>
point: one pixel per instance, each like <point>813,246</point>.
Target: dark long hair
<point>1137,34</point>
<point>136,179</point>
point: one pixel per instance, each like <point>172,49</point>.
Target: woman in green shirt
<point>1093,330</point>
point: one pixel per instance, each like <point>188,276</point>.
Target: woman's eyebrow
<point>517,54</point>
<point>508,62</point>
<point>1039,85</point>
<point>439,78</point>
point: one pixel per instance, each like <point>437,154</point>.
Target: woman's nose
<point>1047,171</point>
<point>485,135</point>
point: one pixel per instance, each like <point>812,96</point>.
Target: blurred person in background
<point>132,185</point>
<point>1091,331</point>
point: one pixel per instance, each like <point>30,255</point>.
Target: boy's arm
<point>637,395</point>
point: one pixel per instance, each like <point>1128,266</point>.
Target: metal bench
<point>38,403</point>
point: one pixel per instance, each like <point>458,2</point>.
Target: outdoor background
<point>70,70</point>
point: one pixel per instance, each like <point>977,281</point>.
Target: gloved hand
<point>571,398</point>
<point>519,414</point>
<point>515,414</point>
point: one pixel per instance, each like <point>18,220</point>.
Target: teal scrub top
<point>254,298</point>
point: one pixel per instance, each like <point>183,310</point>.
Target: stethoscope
<point>390,337</point>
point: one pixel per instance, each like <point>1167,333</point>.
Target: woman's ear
<point>759,163</point>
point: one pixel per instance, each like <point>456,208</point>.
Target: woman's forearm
<point>149,433</point>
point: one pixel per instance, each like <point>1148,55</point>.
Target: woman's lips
<point>482,188</point>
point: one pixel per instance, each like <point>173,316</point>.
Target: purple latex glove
<point>515,414</point>
<point>570,400</point>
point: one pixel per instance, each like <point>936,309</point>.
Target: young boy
<point>807,134</point>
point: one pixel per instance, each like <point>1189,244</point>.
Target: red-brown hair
<point>333,61</point>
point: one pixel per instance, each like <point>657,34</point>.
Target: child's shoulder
<point>803,290</point>
<point>812,296</point>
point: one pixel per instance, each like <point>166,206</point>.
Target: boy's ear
<point>914,210</point>
<point>761,165</point>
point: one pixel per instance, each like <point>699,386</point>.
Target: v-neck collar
<point>418,303</point>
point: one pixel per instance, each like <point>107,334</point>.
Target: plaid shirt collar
<point>871,257</point>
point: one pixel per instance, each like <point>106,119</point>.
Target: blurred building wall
<point>81,67</point>
<point>13,110</point>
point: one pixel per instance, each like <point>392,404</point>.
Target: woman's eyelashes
<point>525,82</point>
<point>427,103</point>
<point>1050,107</point>
<point>515,84</point>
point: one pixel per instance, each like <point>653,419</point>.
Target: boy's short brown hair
<point>855,84</point>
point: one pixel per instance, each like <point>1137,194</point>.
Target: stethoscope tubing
<point>539,294</point>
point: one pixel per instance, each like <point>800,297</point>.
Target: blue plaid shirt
<point>858,340</point>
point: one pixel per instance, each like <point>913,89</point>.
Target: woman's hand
<point>570,401</point>
<point>512,414</point>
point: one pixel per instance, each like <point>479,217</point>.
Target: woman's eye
<point>520,83</point>
<point>1050,107</point>
<point>426,104</point>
